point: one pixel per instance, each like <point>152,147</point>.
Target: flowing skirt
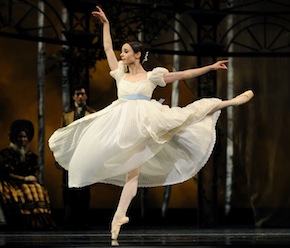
<point>170,144</point>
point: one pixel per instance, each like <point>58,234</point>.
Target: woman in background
<point>25,202</point>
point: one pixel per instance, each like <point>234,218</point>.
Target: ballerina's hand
<point>100,14</point>
<point>220,65</point>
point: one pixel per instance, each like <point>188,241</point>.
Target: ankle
<point>118,215</point>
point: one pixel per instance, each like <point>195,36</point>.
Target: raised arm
<point>107,40</point>
<point>192,73</point>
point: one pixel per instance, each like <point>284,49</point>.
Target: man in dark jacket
<point>76,201</point>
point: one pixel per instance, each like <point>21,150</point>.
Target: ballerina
<point>131,55</point>
<point>136,141</point>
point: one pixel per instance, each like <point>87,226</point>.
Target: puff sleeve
<point>156,76</point>
<point>119,72</point>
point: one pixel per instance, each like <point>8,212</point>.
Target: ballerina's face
<point>128,56</point>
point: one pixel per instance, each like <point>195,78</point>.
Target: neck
<point>80,105</point>
<point>22,150</point>
<point>135,68</point>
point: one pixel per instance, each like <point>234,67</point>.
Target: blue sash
<point>139,97</point>
<point>136,97</point>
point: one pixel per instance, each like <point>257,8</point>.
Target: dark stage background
<point>246,181</point>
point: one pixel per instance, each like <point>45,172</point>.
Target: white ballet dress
<point>169,144</point>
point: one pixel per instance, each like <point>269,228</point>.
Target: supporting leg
<point>128,193</point>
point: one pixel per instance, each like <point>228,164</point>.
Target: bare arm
<point>192,73</point>
<point>107,40</point>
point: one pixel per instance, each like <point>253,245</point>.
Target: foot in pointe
<point>114,243</point>
<point>243,98</point>
<point>117,226</point>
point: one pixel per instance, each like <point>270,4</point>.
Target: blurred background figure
<point>76,200</point>
<point>25,202</point>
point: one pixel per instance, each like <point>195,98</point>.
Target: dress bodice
<point>142,87</point>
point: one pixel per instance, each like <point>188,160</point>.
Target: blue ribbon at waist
<point>135,97</point>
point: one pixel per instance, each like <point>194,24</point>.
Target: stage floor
<point>150,237</point>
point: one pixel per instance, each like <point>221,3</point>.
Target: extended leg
<point>128,193</point>
<point>236,101</point>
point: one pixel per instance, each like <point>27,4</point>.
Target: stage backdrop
<point>261,136</point>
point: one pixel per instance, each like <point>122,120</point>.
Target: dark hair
<point>138,47</point>
<point>78,87</point>
<point>21,125</point>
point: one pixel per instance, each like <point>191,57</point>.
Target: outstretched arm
<point>107,40</point>
<point>192,73</point>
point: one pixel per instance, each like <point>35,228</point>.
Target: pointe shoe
<point>243,98</point>
<point>116,229</point>
<point>114,243</point>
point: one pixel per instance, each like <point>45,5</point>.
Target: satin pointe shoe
<point>243,98</point>
<point>114,243</point>
<point>116,228</point>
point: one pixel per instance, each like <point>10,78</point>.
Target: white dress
<point>170,144</point>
